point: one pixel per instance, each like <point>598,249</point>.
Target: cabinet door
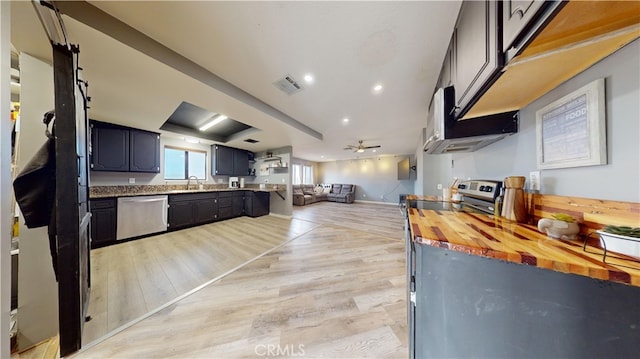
<point>516,16</point>
<point>206,210</point>
<point>240,163</point>
<point>103,222</point>
<point>181,214</point>
<point>257,204</point>
<point>446,73</point>
<point>144,151</point>
<point>222,161</point>
<point>237,204</point>
<point>110,149</point>
<point>477,60</point>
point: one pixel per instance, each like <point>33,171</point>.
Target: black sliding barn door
<point>71,204</point>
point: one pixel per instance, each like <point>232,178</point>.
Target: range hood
<point>446,134</point>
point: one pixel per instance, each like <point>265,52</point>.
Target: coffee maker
<point>234,182</point>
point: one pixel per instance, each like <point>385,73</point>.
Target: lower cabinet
<point>225,205</point>
<point>103,221</point>
<point>186,210</point>
<point>237,204</point>
<point>256,204</point>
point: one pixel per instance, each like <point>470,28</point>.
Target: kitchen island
<point>481,286</point>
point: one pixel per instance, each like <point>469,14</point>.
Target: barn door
<point>71,204</point>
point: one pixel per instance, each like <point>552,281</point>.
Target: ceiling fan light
<point>216,120</point>
<point>360,150</point>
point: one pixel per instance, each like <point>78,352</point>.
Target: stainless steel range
<point>480,194</point>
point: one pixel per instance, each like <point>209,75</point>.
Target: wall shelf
<point>269,158</point>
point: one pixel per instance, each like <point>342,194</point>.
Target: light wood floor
<point>332,291</point>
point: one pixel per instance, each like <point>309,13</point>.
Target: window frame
<point>186,163</point>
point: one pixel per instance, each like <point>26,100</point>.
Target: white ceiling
<point>347,46</point>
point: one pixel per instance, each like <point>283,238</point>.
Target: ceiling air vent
<point>288,85</point>
<point>251,140</point>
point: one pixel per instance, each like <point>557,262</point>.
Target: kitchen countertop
<point>148,190</point>
<point>486,236</point>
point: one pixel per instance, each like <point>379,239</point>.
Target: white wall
<point>516,155</point>
<point>376,178</point>
<point>5,177</point>
<point>37,287</point>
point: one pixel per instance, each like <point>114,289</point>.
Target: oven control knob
<point>481,189</point>
<point>488,189</point>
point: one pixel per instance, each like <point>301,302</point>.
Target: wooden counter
<point>485,236</point>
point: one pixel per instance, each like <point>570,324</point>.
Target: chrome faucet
<point>189,181</point>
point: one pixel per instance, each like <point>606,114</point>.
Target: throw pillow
<point>318,189</point>
<point>327,189</point>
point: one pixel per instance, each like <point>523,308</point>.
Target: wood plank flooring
<point>332,291</point>
<point>133,278</point>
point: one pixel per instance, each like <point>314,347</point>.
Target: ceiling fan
<point>360,147</point>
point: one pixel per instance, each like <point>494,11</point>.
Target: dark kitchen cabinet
<point>190,209</point>
<point>477,55</point>
<point>206,210</point>
<point>257,204</point>
<point>522,20</point>
<point>123,149</point>
<point>225,205</point>
<point>181,214</point>
<point>222,158</point>
<point>237,203</point>
<point>241,163</point>
<point>448,65</point>
<point>144,151</point>
<point>229,161</point>
<point>103,221</point>
<point>109,149</point>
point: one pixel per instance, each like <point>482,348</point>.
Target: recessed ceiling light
<point>308,78</point>
<point>377,88</point>
<point>214,121</point>
<point>345,120</point>
<point>374,150</point>
<point>321,156</point>
<point>192,140</point>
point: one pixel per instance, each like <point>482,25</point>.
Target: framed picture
<point>570,132</point>
<point>264,169</point>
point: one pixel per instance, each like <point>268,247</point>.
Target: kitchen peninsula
<point>482,286</point>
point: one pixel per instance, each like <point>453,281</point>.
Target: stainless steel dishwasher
<point>141,215</point>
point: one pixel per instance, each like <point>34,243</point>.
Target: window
<point>180,164</point>
<point>296,171</point>
<point>302,174</point>
<point>307,175</point>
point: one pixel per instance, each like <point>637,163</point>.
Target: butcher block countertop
<point>486,236</point>
<point>148,190</point>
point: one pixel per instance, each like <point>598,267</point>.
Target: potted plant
<point>621,239</point>
<point>560,226</point>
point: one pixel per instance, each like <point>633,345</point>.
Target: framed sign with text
<point>570,132</point>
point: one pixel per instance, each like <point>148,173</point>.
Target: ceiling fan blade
<point>367,147</point>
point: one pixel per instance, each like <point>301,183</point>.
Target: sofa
<point>307,193</point>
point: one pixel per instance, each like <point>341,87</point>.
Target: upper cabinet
<point>477,55</point>
<point>123,149</point>
<point>504,55</point>
<point>518,22</point>
<point>109,148</point>
<point>229,161</point>
<point>144,151</point>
